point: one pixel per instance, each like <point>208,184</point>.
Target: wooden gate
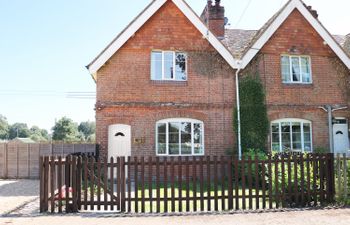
<point>185,184</point>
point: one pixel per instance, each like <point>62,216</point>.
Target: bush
<point>300,179</point>
<point>252,154</point>
<point>254,121</point>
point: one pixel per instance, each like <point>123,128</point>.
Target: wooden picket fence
<point>185,184</point>
<point>342,168</point>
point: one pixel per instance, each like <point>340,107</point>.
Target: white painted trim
<point>295,4</point>
<point>125,36</point>
<point>213,40</point>
<point>179,120</point>
<point>142,19</point>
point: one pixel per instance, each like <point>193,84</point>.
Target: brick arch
<point>290,114</point>
<point>181,114</point>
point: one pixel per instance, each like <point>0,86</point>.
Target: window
<point>168,65</point>
<point>296,69</point>
<point>178,136</point>
<point>291,135</point>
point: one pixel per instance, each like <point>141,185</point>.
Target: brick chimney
<point>214,17</point>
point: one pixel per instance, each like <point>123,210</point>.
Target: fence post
<point>345,168</point>
<point>41,188</point>
<point>46,184</point>
<point>338,175</point>
<point>122,187</point>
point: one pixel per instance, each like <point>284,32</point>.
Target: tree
<point>87,129</point>
<point>254,121</point>
<point>4,128</point>
<point>65,130</point>
<point>19,130</point>
<point>38,134</point>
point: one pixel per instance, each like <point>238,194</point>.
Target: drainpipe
<point>330,128</point>
<point>238,112</point>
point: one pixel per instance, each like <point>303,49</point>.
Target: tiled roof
<point>238,41</point>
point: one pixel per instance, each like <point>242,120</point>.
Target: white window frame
<point>174,65</point>
<point>291,69</point>
<point>292,120</point>
<point>180,120</point>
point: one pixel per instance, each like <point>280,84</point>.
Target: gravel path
<point>19,205</point>
<point>15,194</point>
<point>306,217</point>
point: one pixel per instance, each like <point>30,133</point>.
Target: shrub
<point>254,121</point>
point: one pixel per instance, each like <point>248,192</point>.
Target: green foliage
<point>277,183</point>
<point>88,130</point>
<point>39,135</point>
<point>254,121</point>
<point>4,128</point>
<point>20,130</point>
<point>321,150</point>
<point>66,130</point>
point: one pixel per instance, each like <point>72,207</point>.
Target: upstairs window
<point>296,69</point>
<point>168,66</point>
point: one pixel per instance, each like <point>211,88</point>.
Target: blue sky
<point>45,45</point>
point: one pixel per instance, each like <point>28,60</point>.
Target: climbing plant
<point>254,121</point>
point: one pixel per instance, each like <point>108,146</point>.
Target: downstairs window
<point>291,135</point>
<point>175,137</point>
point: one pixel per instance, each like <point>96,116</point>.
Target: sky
<point>45,46</point>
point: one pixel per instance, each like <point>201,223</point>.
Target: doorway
<point>340,135</point>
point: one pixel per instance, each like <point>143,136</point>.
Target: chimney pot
<point>214,18</point>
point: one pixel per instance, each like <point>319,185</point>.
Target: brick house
<point>166,85</point>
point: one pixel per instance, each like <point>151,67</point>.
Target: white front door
<point>341,136</point>
<point>119,140</point>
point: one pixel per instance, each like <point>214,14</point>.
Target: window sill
<point>168,82</point>
<point>301,85</point>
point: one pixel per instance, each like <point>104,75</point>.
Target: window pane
<point>275,127</point>
<point>276,146</point>
<point>174,129</point>
<point>198,138</point>
<point>161,129</point>
<point>180,69</point>
<point>285,126</point>
<point>186,144</point>
<point>307,133</point>
<point>168,65</point>
<point>295,69</point>
<point>156,65</point>
<point>307,146</point>
<point>305,69</point>
<point>286,142</point>
<point>285,66</point>
<point>297,146</point>
<point>276,137</point>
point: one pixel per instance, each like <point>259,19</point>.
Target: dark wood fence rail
<point>184,184</point>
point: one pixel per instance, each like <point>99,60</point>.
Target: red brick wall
<point>301,100</point>
<point>125,79</point>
